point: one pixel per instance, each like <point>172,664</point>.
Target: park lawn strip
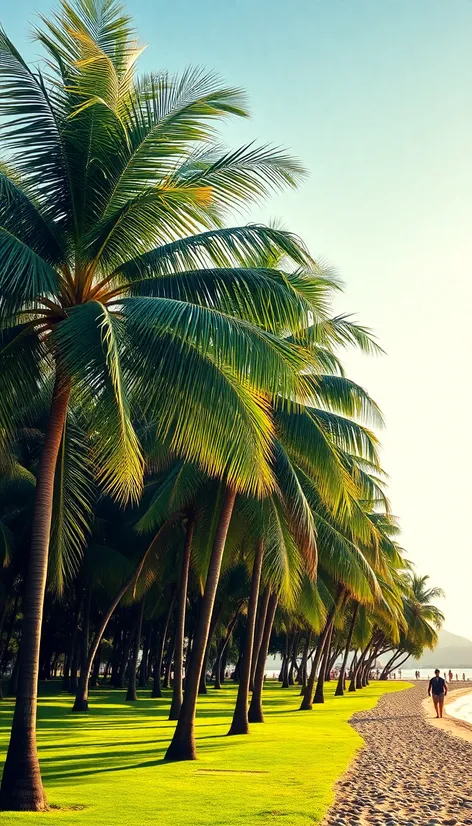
<point>106,767</point>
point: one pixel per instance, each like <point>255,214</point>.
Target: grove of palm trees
<point>189,481</point>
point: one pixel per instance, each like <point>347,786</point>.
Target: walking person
<point>438,690</point>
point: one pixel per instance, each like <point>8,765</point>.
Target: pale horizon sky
<point>376,99</point>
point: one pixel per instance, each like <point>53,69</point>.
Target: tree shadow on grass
<point>65,767</point>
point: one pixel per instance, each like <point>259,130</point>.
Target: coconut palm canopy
<point>187,475</point>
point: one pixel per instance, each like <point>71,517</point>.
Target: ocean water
<point>427,673</point>
<point>461,708</point>
<point>406,673</point>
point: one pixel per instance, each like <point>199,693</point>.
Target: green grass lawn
<point>107,767</point>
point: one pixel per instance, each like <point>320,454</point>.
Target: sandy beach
<point>414,770</point>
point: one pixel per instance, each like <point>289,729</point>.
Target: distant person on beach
<point>438,690</point>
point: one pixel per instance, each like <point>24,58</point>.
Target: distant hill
<point>452,651</point>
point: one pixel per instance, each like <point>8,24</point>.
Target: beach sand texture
<point>412,771</point>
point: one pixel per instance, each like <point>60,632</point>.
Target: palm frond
<point>72,507</point>
<point>31,130</point>
<point>90,343</point>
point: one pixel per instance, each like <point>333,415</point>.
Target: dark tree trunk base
<point>182,748</point>
<point>81,704</point>
<point>255,714</point>
<point>22,788</point>
<point>306,705</point>
<point>131,696</point>
<point>239,727</point>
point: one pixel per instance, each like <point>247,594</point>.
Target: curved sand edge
<point>393,781</point>
<point>448,724</point>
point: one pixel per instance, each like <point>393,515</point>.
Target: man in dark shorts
<point>438,690</point>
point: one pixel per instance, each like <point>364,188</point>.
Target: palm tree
<point>119,286</point>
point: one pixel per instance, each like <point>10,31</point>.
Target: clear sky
<point>375,96</point>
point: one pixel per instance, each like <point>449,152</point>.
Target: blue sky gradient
<point>375,97</point>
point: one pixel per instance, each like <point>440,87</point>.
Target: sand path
<point>410,773</point>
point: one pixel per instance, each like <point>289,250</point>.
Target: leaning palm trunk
<point>370,664</point>
<point>319,693</point>
<point>259,630</point>
<point>360,667</point>
<point>81,697</point>
<point>352,684</point>
<point>157,687</point>
<point>133,666</point>
<point>307,702</point>
<point>256,714</point>
<point>340,686</point>
<point>143,668</point>
<point>301,679</point>
<point>391,664</point>
<point>285,662</point>
<point>84,641</point>
<point>220,660</point>
<point>240,724</point>
<point>293,660</point>
<point>177,694</point>
<point>202,688</point>
<point>22,787</point>
<point>182,746</point>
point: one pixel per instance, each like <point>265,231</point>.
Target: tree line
<point>188,478</point>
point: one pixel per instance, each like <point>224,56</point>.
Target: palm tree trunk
<point>256,714</point>
<point>157,688</point>
<point>319,693</point>
<point>84,641</point>
<point>240,724</point>
<point>182,746</point>
<point>81,700</point>
<point>131,695</point>
<point>177,694</point>
<point>389,666</point>
<point>169,660</point>
<point>202,688</point>
<point>360,666</point>
<point>81,697</point>
<point>340,686</point>
<point>293,660</point>
<point>301,679</point>
<point>74,669</point>
<point>260,622</point>
<point>142,679</point>
<point>22,788</point>
<point>68,666</point>
<point>220,664</point>
<point>94,678</point>
<point>352,684</point>
<point>334,654</point>
<point>307,702</point>
<point>285,662</point>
